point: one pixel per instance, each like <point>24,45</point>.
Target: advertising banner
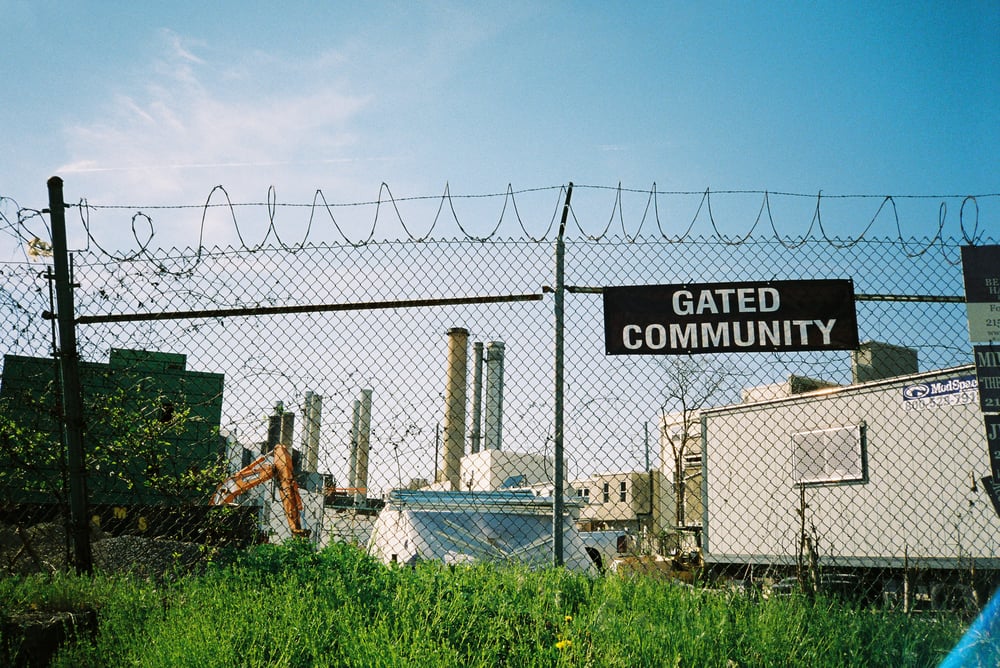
<point>950,392</point>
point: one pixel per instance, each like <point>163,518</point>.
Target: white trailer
<point>884,474</point>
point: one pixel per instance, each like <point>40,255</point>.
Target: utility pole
<point>69,370</point>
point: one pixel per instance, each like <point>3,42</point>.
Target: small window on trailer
<point>830,456</point>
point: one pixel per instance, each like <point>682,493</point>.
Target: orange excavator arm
<point>275,464</point>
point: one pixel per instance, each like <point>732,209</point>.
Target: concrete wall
<point>273,519</point>
<point>347,526</point>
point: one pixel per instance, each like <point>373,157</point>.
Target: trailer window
<point>830,456</point>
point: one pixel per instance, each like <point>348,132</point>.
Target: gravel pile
<point>42,548</point>
<point>148,557</point>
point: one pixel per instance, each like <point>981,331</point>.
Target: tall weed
<point>290,605</point>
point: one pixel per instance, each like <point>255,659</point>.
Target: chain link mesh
<point>412,384</point>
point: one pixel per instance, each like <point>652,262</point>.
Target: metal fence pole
<point>72,400</point>
<point>557,487</point>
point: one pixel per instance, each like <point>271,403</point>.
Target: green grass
<point>291,606</point>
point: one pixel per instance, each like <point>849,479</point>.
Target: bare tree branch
<point>691,384</point>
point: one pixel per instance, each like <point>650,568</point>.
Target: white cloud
<point>343,119</point>
<point>195,121</point>
<point>180,50</point>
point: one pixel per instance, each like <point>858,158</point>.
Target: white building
<point>492,469</point>
<point>633,501</point>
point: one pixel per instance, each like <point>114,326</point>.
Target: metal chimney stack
<point>476,438</point>
<point>273,430</point>
<point>364,445</point>
<point>310,430</point>
<point>494,394</point>
<point>287,429</point>
<point>454,409</point>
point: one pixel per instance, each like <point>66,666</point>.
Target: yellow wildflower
<point>563,644</point>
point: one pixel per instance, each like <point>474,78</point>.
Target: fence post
<point>69,369</point>
<point>557,486</point>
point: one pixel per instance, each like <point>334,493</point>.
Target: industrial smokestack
<point>454,408</point>
<point>364,445</point>
<point>494,394</point>
<point>477,397</point>
<point>310,430</point>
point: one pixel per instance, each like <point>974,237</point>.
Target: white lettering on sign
<point>935,394</point>
<point>735,317</point>
<point>726,300</point>
<point>739,333</point>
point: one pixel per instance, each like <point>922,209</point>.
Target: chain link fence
<point>401,395</point>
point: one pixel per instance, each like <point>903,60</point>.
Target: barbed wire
<point>706,203</point>
<point>144,227</point>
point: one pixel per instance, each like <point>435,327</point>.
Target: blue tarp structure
<point>980,646</point>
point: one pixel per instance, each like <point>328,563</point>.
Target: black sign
<point>988,373</point>
<point>992,423</point>
<point>730,317</point>
<point>992,486</point>
<point>981,271</point>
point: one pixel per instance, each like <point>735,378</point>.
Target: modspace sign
<point>730,317</point>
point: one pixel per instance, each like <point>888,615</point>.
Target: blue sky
<point>156,103</point>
